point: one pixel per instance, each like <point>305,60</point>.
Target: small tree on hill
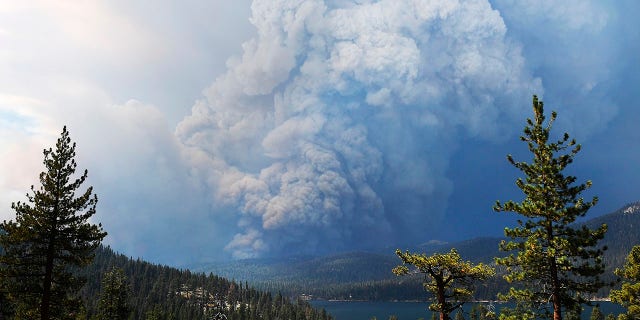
<point>556,260</point>
<point>450,280</point>
<point>629,295</point>
<point>114,299</point>
<point>50,237</point>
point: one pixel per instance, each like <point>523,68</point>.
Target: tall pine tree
<point>49,239</point>
<point>557,261</point>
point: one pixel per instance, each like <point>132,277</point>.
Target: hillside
<point>162,292</point>
<point>622,233</point>
<point>354,275</point>
<point>367,276</point>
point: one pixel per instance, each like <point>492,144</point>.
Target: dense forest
<point>162,292</point>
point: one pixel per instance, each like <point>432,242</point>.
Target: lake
<point>365,310</point>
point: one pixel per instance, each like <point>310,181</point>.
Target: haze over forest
<point>233,129</point>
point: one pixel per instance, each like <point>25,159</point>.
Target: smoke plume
<point>335,127</point>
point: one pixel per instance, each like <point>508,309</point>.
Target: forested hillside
<point>367,276</point>
<point>161,292</point>
<point>348,276</point>
<point>622,233</point>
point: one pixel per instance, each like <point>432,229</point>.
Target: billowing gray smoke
<point>335,127</point>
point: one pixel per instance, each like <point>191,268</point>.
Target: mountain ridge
<point>338,276</point>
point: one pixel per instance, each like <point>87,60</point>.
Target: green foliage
<point>49,239</point>
<point>522,311</point>
<point>165,293</point>
<point>555,260</point>
<point>486,313</point>
<point>481,312</point>
<point>114,300</point>
<point>629,295</point>
<point>154,314</point>
<point>596,314</point>
<point>448,278</point>
<point>474,313</point>
<point>574,314</point>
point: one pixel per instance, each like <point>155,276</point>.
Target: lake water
<point>365,310</point>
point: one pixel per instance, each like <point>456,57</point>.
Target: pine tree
<point>114,300</point>
<point>629,294</point>
<point>555,260</point>
<point>473,313</point>
<point>49,239</point>
<point>596,314</point>
<point>574,314</point>
<point>448,278</point>
<point>154,314</point>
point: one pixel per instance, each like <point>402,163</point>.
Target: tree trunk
<point>444,314</point>
<point>48,277</point>
<point>45,312</point>
<point>555,283</point>
<point>557,312</point>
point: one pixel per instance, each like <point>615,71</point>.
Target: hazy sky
<point>217,129</point>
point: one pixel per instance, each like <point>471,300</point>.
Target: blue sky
<point>218,129</point>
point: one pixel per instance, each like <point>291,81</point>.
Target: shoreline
<point>423,301</point>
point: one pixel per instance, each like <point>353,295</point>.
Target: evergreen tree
<point>555,260</point>
<point>629,294</point>
<point>574,314</point>
<point>49,239</point>
<point>114,300</point>
<point>154,314</point>
<point>449,279</point>
<point>486,312</point>
<point>474,313</point>
<point>596,314</point>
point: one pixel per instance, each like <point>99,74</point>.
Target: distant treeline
<point>161,292</point>
<point>367,276</point>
